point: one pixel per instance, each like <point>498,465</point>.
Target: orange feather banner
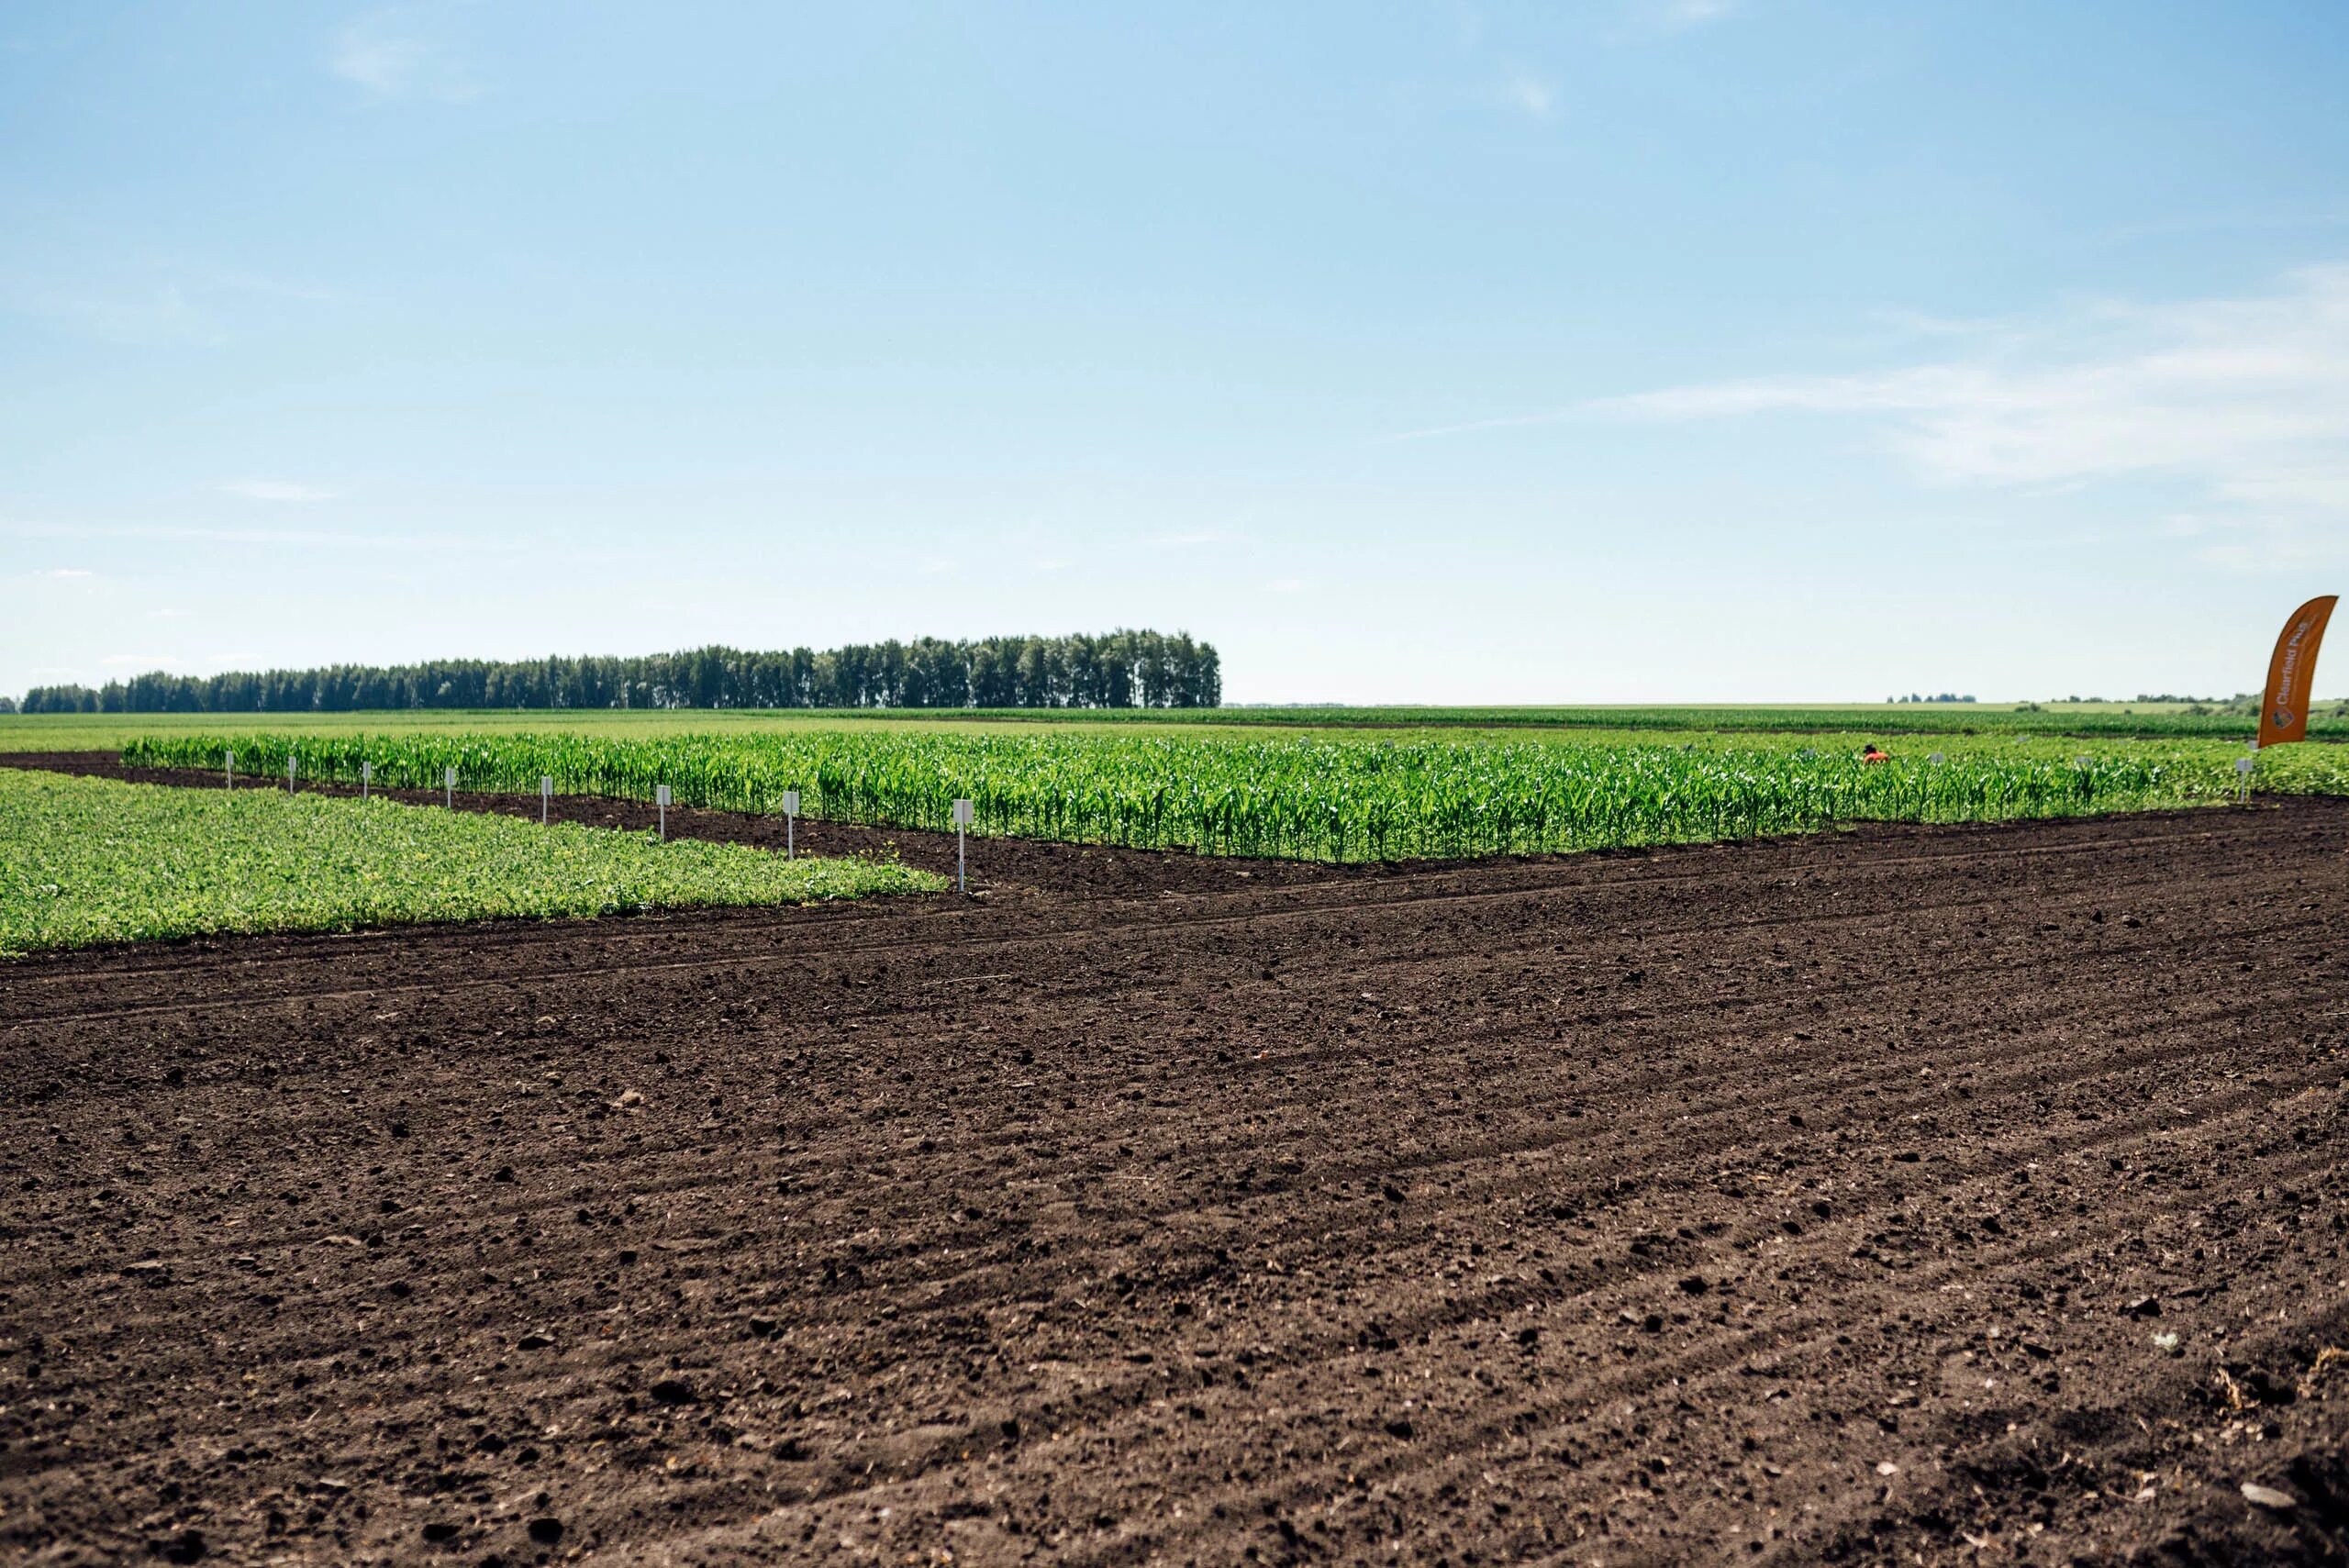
<point>2292,674</point>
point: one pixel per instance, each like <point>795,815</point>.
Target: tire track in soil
<point>1511,1300</point>
<point>1652,1079</point>
<point>920,1289</point>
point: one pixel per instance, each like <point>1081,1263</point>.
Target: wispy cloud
<point>2249,396</point>
<point>145,315</point>
<point>277,490</point>
<point>64,573</point>
<point>151,303</point>
<point>391,55</point>
<point>1511,421</point>
<point>1678,16</point>
<point>1195,538</point>
<point>1531,95</point>
<point>322,538</point>
<point>2246,399</point>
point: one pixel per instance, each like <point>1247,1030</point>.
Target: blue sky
<point>1641,350</point>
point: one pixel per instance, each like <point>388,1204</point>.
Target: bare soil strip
<point>1821,1200</point>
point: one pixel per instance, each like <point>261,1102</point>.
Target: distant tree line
<point>1121,669</point>
<point>1937,696</point>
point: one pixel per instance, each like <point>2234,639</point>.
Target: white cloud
<point>2244,400</point>
<point>277,490</point>
<point>391,57</point>
<point>475,544</point>
<point>1677,16</point>
<point>1536,97</point>
<point>151,303</point>
<point>2247,397</point>
<point>142,315</point>
<point>1199,538</point>
<point>382,65</point>
<point>65,572</point>
<point>1469,426</point>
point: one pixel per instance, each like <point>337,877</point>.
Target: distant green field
<point>87,860</point>
<point>1326,795</point>
<point>39,732</point>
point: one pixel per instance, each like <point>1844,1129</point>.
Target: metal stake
<point>449,787</point>
<point>546,793</point>
<point>232,767</point>
<point>660,796</point>
<point>289,773</point>
<point>961,821</point>
<point>790,821</point>
<point>366,773</point>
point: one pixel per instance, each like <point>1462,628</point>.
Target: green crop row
<point>1351,798</point>
<point>86,860</point>
<point>1956,721</point>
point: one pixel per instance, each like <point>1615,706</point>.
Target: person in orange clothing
<point>1875,753</point>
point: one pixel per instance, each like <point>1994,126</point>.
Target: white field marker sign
<point>790,822</point>
<point>289,773</point>
<point>660,796</point>
<point>962,821</point>
<point>449,788</point>
<point>366,777</point>
<point>2243,775</point>
<point>1935,759</point>
<point>546,795</point>
<point>232,767</point>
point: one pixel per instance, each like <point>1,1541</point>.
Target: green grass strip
<point>87,860</point>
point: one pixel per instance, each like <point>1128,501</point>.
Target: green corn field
<point>1349,797</point>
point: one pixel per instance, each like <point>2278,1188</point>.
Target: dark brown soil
<point>1816,1201</point>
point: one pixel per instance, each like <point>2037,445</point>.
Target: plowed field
<point>1834,1200</point>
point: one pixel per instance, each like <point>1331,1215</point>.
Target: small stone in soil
<point>188,1546</point>
<point>2267,1496</point>
<point>534,1341</point>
